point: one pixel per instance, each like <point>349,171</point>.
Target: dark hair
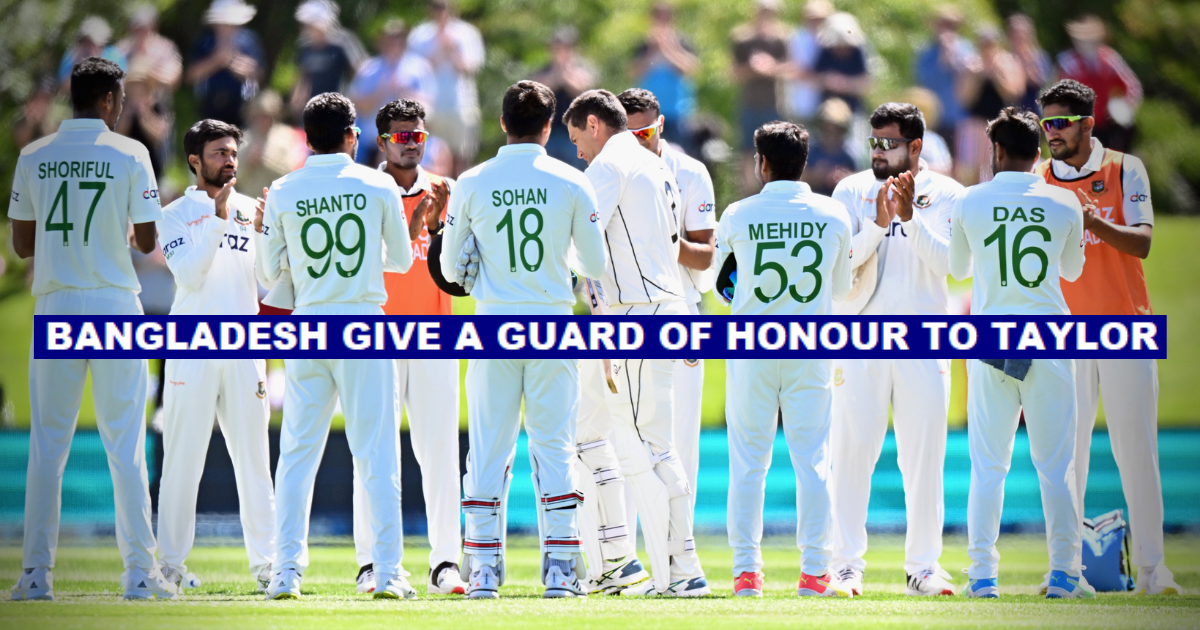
<point>326,118</point>
<point>91,79</point>
<point>599,103</point>
<point>204,132</point>
<point>785,146</point>
<point>637,100</point>
<point>527,107</point>
<point>1018,131</point>
<point>400,110</point>
<point>1078,98</point>
<point>904,115</point>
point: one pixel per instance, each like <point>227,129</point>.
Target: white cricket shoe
<point>285,585</point>
<point>180,581</point>
<point>927,583</point>
<point>445,580</point>
<point>561,581</point>
<point>365,582</point>
<point>34,584</point>
<point>485,584</point>
<point>140,584</point>
<point>263,579</point>
<point>686,587</point>
<point>618,575</point>
<point>1154,582</point>
<point>851,579</point>
<point>396,588</point>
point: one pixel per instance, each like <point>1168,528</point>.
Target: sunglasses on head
<point>885,144</point>
<point>404,137</point>
<point>356,130</point>
<point>1051,123</point>
<point>645,133</point>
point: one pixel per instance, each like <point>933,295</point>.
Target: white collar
<point>618,143</point>
<point>1016,177</point>
<point>199,196</point>
<point>327,159</point>
<point>81,124</point>
<point>522,147</point>
<point>790,187</point>
<point>1093,164</point>
<point>422,183</point>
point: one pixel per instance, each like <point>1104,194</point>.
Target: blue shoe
<point>1063,586</point>
<point>986,587</point>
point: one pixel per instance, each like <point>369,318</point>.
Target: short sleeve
<point>144,204</point>
<point>1135,185</point>
<point>20,204</point>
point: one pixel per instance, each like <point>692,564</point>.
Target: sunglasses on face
<point>885,144</point>
<point>1060,122</point>
<point>404,137</point>
<point>645,133</point>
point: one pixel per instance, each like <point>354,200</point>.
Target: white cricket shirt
<point>83,186</point>
<point>1020,235</point>
<point>699,213</point>
<point>912,255</point>
<point>212,259</point>
<point>339,225</point>
<point>793,250</point>
<point>525,210</point>
<point>640,211</point>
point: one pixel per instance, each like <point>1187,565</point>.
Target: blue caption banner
<point>500,337</point>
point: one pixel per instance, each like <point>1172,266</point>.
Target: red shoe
<point>823,586</point>
<point>748,584</point>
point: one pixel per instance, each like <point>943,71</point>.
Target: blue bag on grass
<point>1106,552</point>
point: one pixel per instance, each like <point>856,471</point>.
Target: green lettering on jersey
<point>756,231</point>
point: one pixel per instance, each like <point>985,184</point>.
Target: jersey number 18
<point>529,236</point>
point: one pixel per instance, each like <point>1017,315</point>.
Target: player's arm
<point>397,246</point>
<point>867,233</point>
<point>22,214</point>
<point>726,281</point>
<point>697,248</point>
<point>607,183</point>
<point>272,248</point>
<point>190,256</point>
<point>1070,266</point>
<point>587,235</point>
<point>959,256</point>
<point>842,264</point>
<point>456,231</point>
<point>144,209</point>
<point>1133,238</point>
<point>932,242</point>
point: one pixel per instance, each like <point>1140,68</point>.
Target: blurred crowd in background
<point>814,66</point>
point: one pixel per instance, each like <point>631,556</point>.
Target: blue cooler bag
<point>1106,553</point>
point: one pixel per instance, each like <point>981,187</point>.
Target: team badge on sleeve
<point>262,390</point>
<point>922,201</point>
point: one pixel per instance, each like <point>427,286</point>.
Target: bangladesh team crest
<point>1098,186</point>
<point>240,219</point>
<point>691,362</point>
<point>262,390</point>
<point>922,201</point>
<point>838,379</point>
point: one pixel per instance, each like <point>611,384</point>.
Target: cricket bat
<point>599,307</point>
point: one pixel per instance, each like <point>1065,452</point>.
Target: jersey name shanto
<point>336,203</point>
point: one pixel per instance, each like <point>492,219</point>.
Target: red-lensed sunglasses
<point>645,133</point>
<point>404,137</point>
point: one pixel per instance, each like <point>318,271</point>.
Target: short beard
<point>887,171</point>
<point>1066,152</point>
<point>217,179</point>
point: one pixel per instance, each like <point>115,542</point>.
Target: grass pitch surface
<point>88,596</point>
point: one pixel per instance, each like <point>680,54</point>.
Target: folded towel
<point>1016,368</point>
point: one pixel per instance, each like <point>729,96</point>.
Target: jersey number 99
<point>811,268</point>
<point>333,239</point>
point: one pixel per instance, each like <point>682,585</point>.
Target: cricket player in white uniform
<point>1119,220</point>
<point>210,244</point>
<point>696,253</point>
<point>525,210</point>
<point>909,250</point>
<point>806,243</point>
<point>74,195</point>
<point>338,225</point>
<point>428,388</point>
<point>1019,235</point>
<point>640,210</point>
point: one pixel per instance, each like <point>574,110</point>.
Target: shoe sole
<point>561,594</point>
<point>457,590</point>
<point>140,596</point>
<point>483,595</point>
<point>915,593</point>
<point>285,595</point>
<point>808,592</point>
<point>391,595</point>
<point>1055,592</point>
<point>700,592</point>
<point>748,592</point>
<point>362,591</point>
<point>44,597</point>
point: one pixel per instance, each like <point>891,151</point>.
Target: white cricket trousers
<point>495,389</point>
<point>367,388</point>
<point>756,391</point>
<point>1130,388</point>
<point>234,391</point>
<point>689,398</point>
<point>119,396</point>
<point>994,405</point>
<point>428,388</point>
<point>918,392</point>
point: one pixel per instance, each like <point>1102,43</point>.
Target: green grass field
<point>88,596</point>
<point>1171,273</point>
